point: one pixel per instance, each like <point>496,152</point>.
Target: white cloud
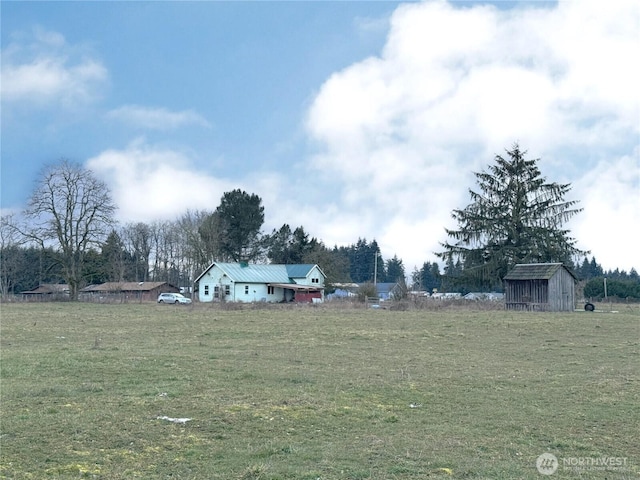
<point>610,224</point>
<point>156,118</point>
<point>42,69</point>
<point>150,183</point>
<point>400,134</point>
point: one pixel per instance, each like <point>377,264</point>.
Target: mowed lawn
<point>301,392</point>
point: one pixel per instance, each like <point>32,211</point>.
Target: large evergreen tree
<point>240,217</point>
<point>394,270</point>
<point>286,246</point>
<point>516,216</point>
<point>365,262</point>
<point>427,278</point>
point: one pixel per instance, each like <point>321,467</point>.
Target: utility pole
<point>375,269</point>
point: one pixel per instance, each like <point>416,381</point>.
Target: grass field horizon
<point>302,392</point>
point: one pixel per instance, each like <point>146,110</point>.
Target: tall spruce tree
<point>394,270</point>
<point>516,216</point>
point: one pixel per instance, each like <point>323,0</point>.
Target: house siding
<point>230,282</point>
<point>213,286</point>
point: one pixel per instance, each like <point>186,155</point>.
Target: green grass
<point>314,393</point>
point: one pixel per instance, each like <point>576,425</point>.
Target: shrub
<point>367,290</point>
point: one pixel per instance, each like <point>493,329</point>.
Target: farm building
<point>243,282</point>
<point>47,291</point>
<point>388,291</point>
<point>343,290</point>
<point>540,287</point>
<point>140,291</point>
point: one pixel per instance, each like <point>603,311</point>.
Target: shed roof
<point>47,288</point>
<point>535,271</point>
<point>124,287</point>
<point>386,287</point>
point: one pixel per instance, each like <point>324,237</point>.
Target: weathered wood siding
<point>562,295</point>
<point>554,295</point>
<point>527,295</point>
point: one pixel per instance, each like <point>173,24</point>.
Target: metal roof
<point>386,287</point>
<point>299,270</point>
<point>535,271</point>
<point>252,273</point>
<point>249,273</point>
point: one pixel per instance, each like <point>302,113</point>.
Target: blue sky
<point>353,119</point>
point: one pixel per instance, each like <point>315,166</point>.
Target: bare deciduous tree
<point>197,250</point>
<point>137,238</point>
<point>72,210</point>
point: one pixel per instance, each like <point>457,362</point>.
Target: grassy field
<point>316,393</point>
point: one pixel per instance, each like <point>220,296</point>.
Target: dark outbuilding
<point>140,291</point>
<point>548,287</point>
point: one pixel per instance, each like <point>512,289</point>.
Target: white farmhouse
<point>243,282</point>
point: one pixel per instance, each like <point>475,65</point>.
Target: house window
<point>216,292</point>
<point>227,290</point>
<point>271,290</point>
<point>246,289</point>
<point>314,280</point>
<point>206,290</point>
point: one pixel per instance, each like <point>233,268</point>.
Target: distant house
<point>343,290</point>
<point>140,291</point>
<point>47,291</point>
<point>243,282</point>
<point>484,296</point>
<point>447,295</point>
<point>541,287</point>
<point>388,291</point>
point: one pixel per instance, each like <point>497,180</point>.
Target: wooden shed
<point>47,292</point>
<point>128,291</point>
<point>548,287</point>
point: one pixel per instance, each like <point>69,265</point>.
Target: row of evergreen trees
<point>621,284</point>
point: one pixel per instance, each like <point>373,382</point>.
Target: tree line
<point>68,234</point>
<point>620,284</point>
<point>178,251</point>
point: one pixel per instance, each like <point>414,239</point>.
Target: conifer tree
<point>515,216</point>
